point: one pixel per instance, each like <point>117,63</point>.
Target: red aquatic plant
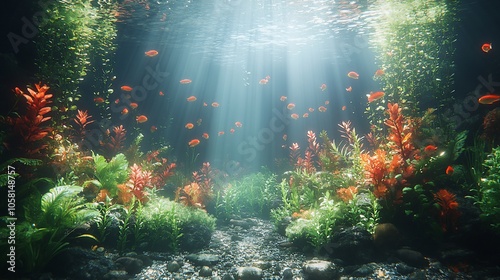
<point>191,195</point>
<point>114,143</point>
<point>347,194</point>
<point>294,153</point>
<point>400,134</point>
<point>27,128</point>
<point>138,183</point>
<point>491,126</point>
<point>82,120</point>
<point>448,212</point>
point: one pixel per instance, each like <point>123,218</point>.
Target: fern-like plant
<point>111,173</point>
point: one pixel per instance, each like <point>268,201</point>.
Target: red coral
<point>27,130</point>
<point>448,213</point>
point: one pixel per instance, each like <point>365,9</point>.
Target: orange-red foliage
<point>138,181</point>
<point>101,196</point>
<point>27,129</point>
<point>448,213</point>
<point>162,169</point>
<point>347,194</point>
<point>114,142</point>
<point>82,119</point>
<point>191,195</point>
<point>400,134</point>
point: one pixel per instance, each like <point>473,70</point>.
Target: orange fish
<point>322,109</point>
<point>124,111</point>
<point>311,109</point>
<point>238,124</point>
<point>161,93</point>
<point>126,88</point>
<point>153,128</point>
<point>290,106</point>
<point>117,101</point>
<point>231,130</point>
<point>378,73</point>
<point>449,170</point>
<point>323,87</point>
<point>353,75</point>
<point>343,108</point>
<point>141,119</point>
<point>489,99</point>
<point>294,116</point>
<point>193,143</point>
<point>134,105</point>
<point>263,81</point>
<point>205,135</point>
<point>98,100</point>
<point>375,96</point>
<point>305,115</point>
<point>189,126</point>
<point>327,102</point>
<point>215,104</point>
<point>205,104</point>
<point>220,133</point>
<point>282,98</point>
<point>191,98</point>
<point>430,148</point>
<point>486,47</point>
<point>151,53</point>
<point>348,89</point>
<point>185,81</point>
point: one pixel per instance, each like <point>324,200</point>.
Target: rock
<point>262,264</point>
<point>203,259</point>
<point>404,269</point>
<point>195,237</point>
<point>352,245</point>
<point>386,237</point>
<point>228,277</point>
<point>205,271</point>
<point>413,258</point>
<point>78,263</point>
<point>283,224</point>
<point>287,274</point>
<point>364,270</point>
<point>249,273</point>
<point>130,265</point>
<point>244,224</point>
<point>320,270</point>
<point>117,274</point>
<point>173,266</point>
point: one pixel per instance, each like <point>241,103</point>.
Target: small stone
<point>262,264</point>
<point>228,277</point>
<point>205,271</point>
<point>203,259</point>
<point>249,273</point>
<point>319,270</point>
<point>173,266</point>
<point>363,271</point>
<point>413,258</point>
<point>100,250</point>
<point>116,274</point>
<point>130,264</point>
<point>287,273</point>
<point>404,269</point>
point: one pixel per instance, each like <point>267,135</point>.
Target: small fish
<point>311,109</point>
<point>192,98</point>
<point>161,93</point>
<point>205,104</point>
<point>322,109</point>
<point>134,105</point>
<point>231,130</point>
<point>117,101</point>
<point>124,111</point>
<point>153,128</point>
<point>215,104</point>
<point>353,75</point>
<point>449,170</point>
<point>126,88</point>
<point>151,53</point>
<point>199,121</point>
<point>486,47</point>
<point>489,99</point>
<point>294,116</point>
<point>185,81</point>
<point>193,143</point>
<point>378,73</point>
<point>343,108</point>
<point>323,87</point>
<point>430,148</point>
<point>263,81</point>
<point>220,133</point>
<point>205,135</point>
<point>327,102</point>
<point>348,89</point>
<point>282,98</point>
<point>189,126</point>
<point>290,106</point>
<point>285,137</point>
<point>375,96</point>
<point>98,100</point>
<point>305,115</point>
<point>238,124</point>
<point>141,119</point>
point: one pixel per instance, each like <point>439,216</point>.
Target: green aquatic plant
<point>414,42</point>
<point>488,198</point>
<point>110,174</point>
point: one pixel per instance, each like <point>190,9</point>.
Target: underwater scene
<point>250,139</point>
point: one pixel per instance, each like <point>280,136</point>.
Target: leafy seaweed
<point>111,173</point>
